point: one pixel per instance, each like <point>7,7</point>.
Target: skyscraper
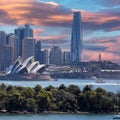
<point>28,45</point>
<point>56,55</point>
<point>23,32</point>
<point>14,43</point>
<point>76,39</point>
<point>45,57</point>
<point>2,38</point>
<point>5,57</point>
<point>38,51</point>
<point>66,58</point>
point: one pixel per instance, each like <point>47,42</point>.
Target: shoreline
<point>51,112</point>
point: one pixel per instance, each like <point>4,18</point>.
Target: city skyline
<point>52,23</point>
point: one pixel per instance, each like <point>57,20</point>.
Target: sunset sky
<point>52,20</point>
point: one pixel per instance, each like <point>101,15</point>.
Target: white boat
<point>100,80</point>
<point>116,117</point>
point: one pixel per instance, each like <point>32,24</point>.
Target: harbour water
<point>108,85</point>
<point>57,117</point>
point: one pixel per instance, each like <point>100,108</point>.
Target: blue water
<point>57,117</point>
<point>109,85</point>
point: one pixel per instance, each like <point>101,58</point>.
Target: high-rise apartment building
<point>28,47</point>
<point>14,43</point>
<point>76,39</point>
<point>55,56</point>
<point>23,32</point>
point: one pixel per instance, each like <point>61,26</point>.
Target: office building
<point>23,32</point>
<point>7,38</point>
<point>38,51</point>
<point>76,39</point>
<point>2,38</point>
<point>55,56</point>
<point>28,47</point>
<point>66,58</point>
<point>14,43</point>
<point>5,57</point>
<point>45,57</point>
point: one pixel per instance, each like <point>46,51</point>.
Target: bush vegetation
<point>56,99</point>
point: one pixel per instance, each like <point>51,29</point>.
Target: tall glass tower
<point>76,39</point>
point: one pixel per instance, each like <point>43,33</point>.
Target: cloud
<point>110,45</point>
<point>36,13</point>
<point>94,47</point>
<point>55,15</point>
<point>111,3</point>
<point>37,32</point>
<point>106,20</point>
<point>5,18</point>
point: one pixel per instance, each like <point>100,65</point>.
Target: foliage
<point>61,99</point>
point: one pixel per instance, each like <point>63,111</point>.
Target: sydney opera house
<point>29,66</point>
<point>26,70</point>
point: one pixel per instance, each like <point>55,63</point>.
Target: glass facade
<point>76,39</point>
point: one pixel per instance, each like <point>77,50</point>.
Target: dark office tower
<point>20,33</point>
<point>76,39</point>
<point>38,51</point>
<point>28,31</point>
<point>2,38</point>
<point>23,32</point>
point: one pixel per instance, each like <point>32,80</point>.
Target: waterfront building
<point>5,57</point>
<point>66,58</point>
<point>76,39</point>
<point>38,54</point>
<point>23,32</point>
<point>28,47</point>
<point>14,43</point>
<point>2,38</point>
<point>55,55</point>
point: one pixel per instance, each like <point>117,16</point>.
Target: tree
<point>73,89</point>
<point>14,102</point>
<point>43,100</point>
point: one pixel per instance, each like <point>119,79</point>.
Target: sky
<point>51,21</point>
